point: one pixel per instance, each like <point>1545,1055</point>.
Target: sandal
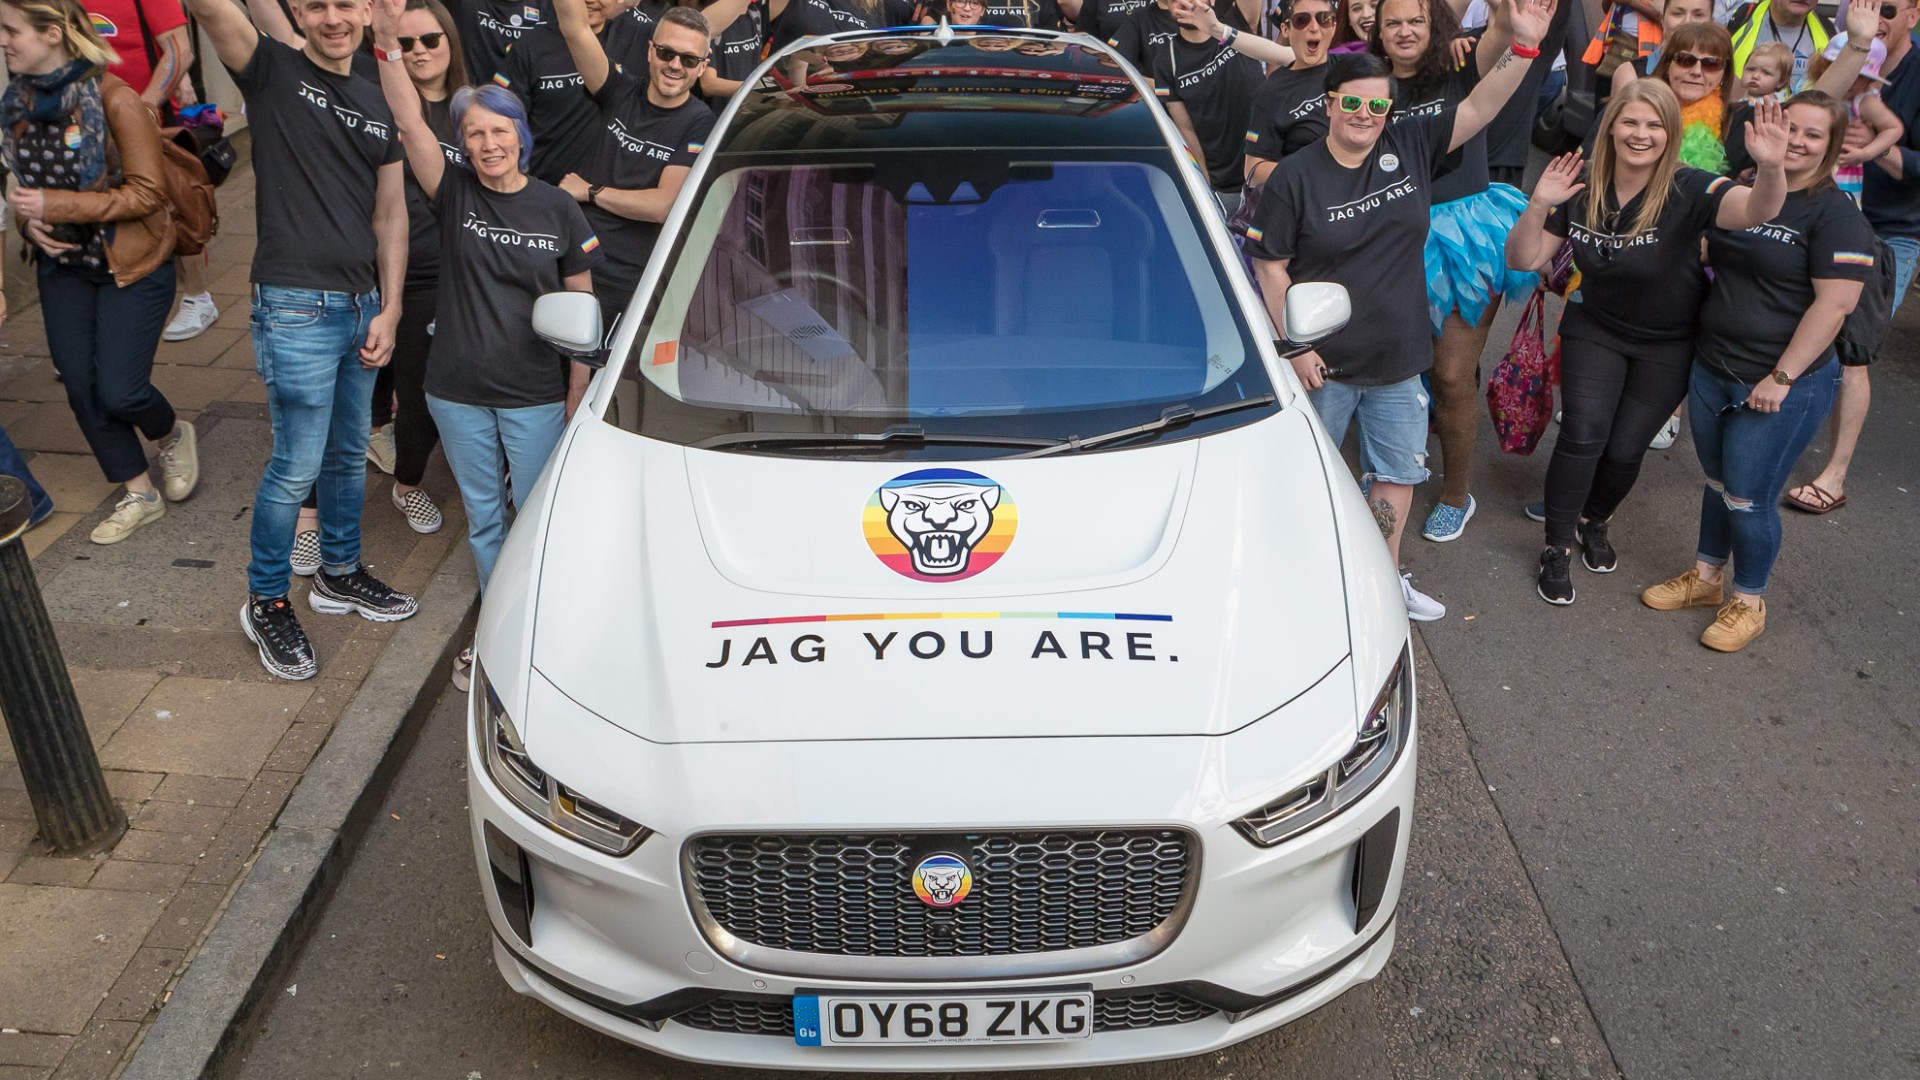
<point>1821,501</point>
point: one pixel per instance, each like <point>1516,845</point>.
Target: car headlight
<point>532,790</point>
<point>1384,734</point>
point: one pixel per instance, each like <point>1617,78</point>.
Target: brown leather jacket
<point>139,231</point>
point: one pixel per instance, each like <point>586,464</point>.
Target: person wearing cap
<point>1890,197</point>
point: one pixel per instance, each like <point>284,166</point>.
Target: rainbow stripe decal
<point>1852,258</point>
<point>502,81</point>
<point>1253,136</point>
<point>939,525</point>
<point>889,616</point>
<point>103,26</point>
<point>1255,234</point>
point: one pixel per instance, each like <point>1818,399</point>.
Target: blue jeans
<point>103,337</point>
<point>1906,253</point>
<point>306,344</point>
<point>485,447</point>
<point>1393,427</point>
<point>1747,457</point>
<point>39,503</point>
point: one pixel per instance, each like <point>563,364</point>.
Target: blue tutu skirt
<point>1467,255</point>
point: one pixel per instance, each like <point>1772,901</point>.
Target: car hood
<point>699,596</point>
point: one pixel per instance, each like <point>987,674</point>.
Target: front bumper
<point>1272,933</point>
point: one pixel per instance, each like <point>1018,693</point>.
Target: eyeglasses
<point>1300,20</point>
<point>431,41</point>
<point>668,56</point>
<point>1708,64</point>
<point>1352,103</point>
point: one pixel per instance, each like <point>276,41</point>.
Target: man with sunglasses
<point>1792,23</point>
<point>655,128</point>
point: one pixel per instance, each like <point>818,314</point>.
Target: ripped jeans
<point>1748,457</point>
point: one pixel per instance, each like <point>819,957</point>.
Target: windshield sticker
<point>939,524</point>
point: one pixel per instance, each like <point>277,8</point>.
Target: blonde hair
<point>1653,202</point>
<point>1780,57</point>
<point>83,42</point>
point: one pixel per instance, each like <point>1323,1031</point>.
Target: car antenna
<point>943,33</point>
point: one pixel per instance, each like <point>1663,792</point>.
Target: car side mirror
<point>1314,311</point>
<point>570,322</point>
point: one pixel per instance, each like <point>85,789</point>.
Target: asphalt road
<point>1632,856</point>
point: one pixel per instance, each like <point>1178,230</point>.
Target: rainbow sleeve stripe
<point>590,244</point>
<point>502,80</point>
<point>1162,92</point>
<point>884,616</point>
<point>1254,232</point>
<point>1717,183</point>
<point>695,147</point>
<point>1852,258</point>
<point>1253,136</point>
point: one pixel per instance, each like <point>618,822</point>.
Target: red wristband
<point>1524,52</point>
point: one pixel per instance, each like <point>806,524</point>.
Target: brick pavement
<point>200,746</point>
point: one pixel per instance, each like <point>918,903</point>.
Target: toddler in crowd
<point>1767,72</point>
<point>1871,125</point>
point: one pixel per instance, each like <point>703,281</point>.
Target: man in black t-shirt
<point>656,128</point>
<point>538,68</point>
<point>1151,26</point>
<point>1208,91</point>
<point>332,224</point>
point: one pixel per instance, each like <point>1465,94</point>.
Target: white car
<point>945,639</point>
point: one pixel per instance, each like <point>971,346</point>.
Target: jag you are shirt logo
<point>354,121</point>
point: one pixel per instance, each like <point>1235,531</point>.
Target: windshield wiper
<point>898,433</point>
<point>1170,417</point>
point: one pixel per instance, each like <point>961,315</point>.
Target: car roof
<point>918,87</point>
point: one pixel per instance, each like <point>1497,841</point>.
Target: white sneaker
<point>196,314</point>
<point>380,449</point>
<point>129,514</point>
<point>1668,432</point>
<point>1420,606</point>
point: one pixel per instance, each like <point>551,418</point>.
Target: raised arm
<point>1529,245</point>
<point>175,51</point>
<point>416,138</point>
<point>1530,21</point>
<point>1199,13</point>
<point>233,37</point>
<point>1496,37</point>
<point>1862,22</point>
<point>1745,207</point>
<point>589,56</point>
<point>271,19</point>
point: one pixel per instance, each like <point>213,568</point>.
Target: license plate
<point>1017,1017</point>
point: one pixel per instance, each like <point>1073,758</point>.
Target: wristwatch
<point>391,56</point>
<point>593,194</point>
<point>1781,377</point>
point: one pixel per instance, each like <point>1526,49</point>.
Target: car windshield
<point>1006,295</point>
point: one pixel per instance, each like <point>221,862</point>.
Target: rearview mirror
<point>570,322</point>
<point>1315,310</point>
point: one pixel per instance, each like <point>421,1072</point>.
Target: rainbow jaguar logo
<point>942,880</point>
<point>939,524</point>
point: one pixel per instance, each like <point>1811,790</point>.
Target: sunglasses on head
<point>1300,20</point>
<point>668,56</point>
<point>1353,103</point>
<point>1708,64</point>
<point>431,41</point>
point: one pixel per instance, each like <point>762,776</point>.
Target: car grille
<point>852,895</point>
<point>741,1014</point>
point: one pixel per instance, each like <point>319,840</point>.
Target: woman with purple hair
<point>499,395</point>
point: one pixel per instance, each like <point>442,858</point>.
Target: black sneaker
<point>1556,582</point>
<point>359,592</point>
<point>284,649</point>
<point>1595,549</point>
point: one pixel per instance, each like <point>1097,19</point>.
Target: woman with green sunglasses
<point>1353,209</point>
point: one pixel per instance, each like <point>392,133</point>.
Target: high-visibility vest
<point>1647,33</point>
<point>1748,36</point>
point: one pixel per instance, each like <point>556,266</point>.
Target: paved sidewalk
<point>201,747</point>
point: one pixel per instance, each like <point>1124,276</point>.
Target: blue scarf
<point>68,94</point>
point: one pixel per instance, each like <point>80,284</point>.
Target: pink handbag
<point>1520,391</point>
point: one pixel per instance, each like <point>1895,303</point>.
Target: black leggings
<point>414,434</point>
<point>1612,405</point>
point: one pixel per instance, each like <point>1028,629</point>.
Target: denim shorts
<point>1393,427</point>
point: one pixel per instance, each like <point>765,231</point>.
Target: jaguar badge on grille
<point>942,880</point>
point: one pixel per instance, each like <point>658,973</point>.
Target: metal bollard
<point>64,782</point>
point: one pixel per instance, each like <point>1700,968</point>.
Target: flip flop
<point>1827,505</point>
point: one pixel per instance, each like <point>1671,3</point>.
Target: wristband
<point>1227,36</point>
<point>391,56</point>
<point>1524,52</point>
<point>593,194</point>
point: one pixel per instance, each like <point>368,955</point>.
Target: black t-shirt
<point>423,225</point>
<point>736,48</point>
<point>1217,87</point>
<point>319,140</point>
<point>644,140</point>
<point>1763,278</point>
<point>488,28</point>
<point>1289,113</point>
<point>1044,16</point>
<point>810,18</point>
<point>1147,31</point>
<point>1465,172</point>
<point>500,251</point>
<point>1102,18</point>
<point>1738,160</point>
<point>567,129</point>
<point>1648,289</point>
<point>1364,228</point>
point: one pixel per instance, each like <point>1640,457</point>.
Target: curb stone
<point>304,856</point>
